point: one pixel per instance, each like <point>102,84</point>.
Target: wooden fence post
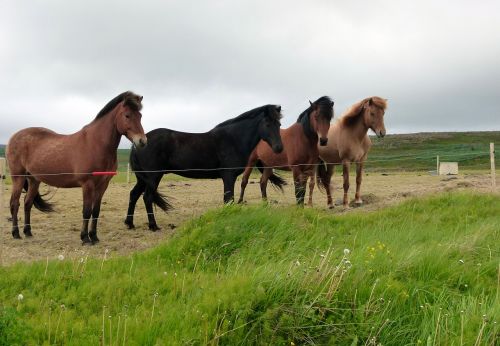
<point>128,173</point>
<point>3,166</point>
<point>437,165</point>
<point>492,160</point>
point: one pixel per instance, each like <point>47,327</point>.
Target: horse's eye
<point>373,114</point>
<point>127,116</point>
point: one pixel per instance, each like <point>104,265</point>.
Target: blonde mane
<point>352,112</point>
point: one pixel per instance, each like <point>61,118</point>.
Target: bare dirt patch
<point>59,233</point>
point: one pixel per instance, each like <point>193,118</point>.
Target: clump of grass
<point>258,275</point>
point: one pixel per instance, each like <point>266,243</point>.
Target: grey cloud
<point>200,62</point>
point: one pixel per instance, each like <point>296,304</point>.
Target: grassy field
<point>423,272</point>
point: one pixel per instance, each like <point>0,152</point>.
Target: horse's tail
<point>158,199</point>
<point>322,175</point>
<point>277,181</point>
<point>39,202</point>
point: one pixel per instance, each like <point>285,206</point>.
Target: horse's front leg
<point>300,181</point>
<point>345,166</point>
<point>96,209</point>
<point>229,179</point>
<point>359,178</point>
<point>312,181</point>
<point>88,197</point>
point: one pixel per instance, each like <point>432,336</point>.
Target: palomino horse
<point>39,155</point>
<point>348,142</point>
<point>300,150</point>
<point>219,153</point>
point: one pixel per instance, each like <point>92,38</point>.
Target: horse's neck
<point>309,132</point>
<point>103,132</point>
<point>359,129</point>
<point>244,134</point>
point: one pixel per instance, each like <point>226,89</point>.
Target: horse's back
<point>22,142</point>
<point>176,151</point>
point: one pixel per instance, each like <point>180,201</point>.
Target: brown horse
<point>300,150</point>
<point>38,155</point>
<point>348,142</point>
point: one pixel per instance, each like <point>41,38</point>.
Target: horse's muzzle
<point>140,142</point>
<point>381,134</point>
<point>323,141</point>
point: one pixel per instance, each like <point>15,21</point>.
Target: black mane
<point>131,100</point>
<point>304,120</point>
<point>251,114</point>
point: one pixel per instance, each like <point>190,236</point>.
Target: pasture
<point>422,265</point>
<point>423,272</point>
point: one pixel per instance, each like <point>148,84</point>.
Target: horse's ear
<point>310,102</point>
<point>278,108</point>
<point>140,98</point>
<point>370,101</point>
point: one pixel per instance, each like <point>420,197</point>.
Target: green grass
<point>414,152</point>
<point>423,272</point>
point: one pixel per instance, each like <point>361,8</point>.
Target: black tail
<point>160,200</point>
<point>277,181</point>
<point>39,202</point>
<point>322,176</point>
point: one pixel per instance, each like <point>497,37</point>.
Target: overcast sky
<point>198,63</point>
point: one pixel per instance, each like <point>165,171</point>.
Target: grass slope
<point>425,271</point>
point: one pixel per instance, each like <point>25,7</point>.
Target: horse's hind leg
<point>244,182</point>
<point>328,185</point>
<point>33,186</point>
<point>135,193</point>
<point>359,178</point>
<point>17,188</point>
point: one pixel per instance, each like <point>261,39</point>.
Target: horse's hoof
<point>94,239</point>
<point>130,224</point>
<point>331,206</point>
<point>154,228</point>
<point>27,232</point>
<point>87,241</point>
<point>358,203</point>
<point>16,236</point>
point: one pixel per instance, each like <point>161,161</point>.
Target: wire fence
<point>458,157</point>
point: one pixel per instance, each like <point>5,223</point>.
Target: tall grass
<point>424,272</point>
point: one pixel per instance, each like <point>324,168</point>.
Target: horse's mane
<point>131,100</point>
<point>304,117</point>
<point>251,114</point>
<point>352,113</point>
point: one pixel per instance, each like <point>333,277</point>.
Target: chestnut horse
<point>300,150</point>
<point>348,142</point>
<point>38,155</point>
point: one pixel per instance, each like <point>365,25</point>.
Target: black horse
<point>220,153</point>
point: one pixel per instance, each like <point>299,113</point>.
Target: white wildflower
<point>60,257</point>
<point>347,252</point>
<point>20,297</point>
<point>461,261</point>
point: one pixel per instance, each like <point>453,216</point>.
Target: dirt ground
<point>58,233</point>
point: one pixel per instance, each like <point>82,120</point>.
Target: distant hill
<point>412,152</point>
